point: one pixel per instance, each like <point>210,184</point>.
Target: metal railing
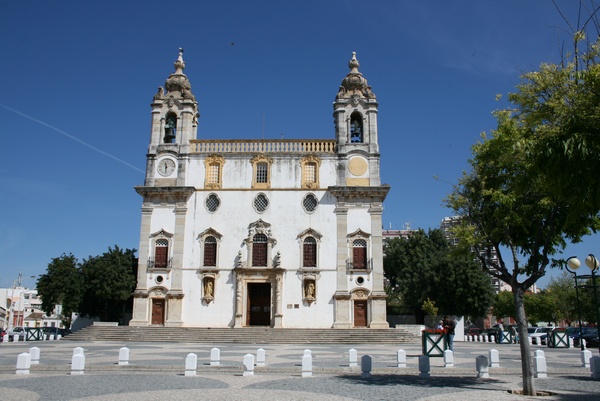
<point>151,264</point>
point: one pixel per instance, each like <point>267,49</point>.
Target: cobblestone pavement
<point>156,372</point>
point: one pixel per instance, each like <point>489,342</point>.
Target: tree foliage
<point>527,193</point>
<point>61,285</point>
<point>423,267</point>
<point>98,287</point>
<point>109,281</point>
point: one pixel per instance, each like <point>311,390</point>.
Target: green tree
<point>558,112</point>
<point>61,285</point>
<point>562,291</point>
<point>509,208</point>
<point>504,304</point>
<point>109,281</point>
<point>424,266</point>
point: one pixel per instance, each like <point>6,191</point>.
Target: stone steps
<point>246,335</point>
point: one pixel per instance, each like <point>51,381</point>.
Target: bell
<point>169,135</point>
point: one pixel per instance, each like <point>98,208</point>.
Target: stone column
<point>278,321</point>
<point>238,300</point>
<point>378,296</point>
<point>341,296</point>
<point>175,294</point>
<point>141,307</point>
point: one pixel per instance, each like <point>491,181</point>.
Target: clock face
<point>166,167</point>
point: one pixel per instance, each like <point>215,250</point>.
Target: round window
<point>261,203</point>
<point>159,279</point>
<point>212,203</point>
<point>360,280</point>
<point>309,203</point>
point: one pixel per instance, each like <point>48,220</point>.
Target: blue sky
<point>78,77</point>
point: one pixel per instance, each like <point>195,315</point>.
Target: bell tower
<point>174,123</point>
<point>165,193</point>
<point>355,115</point>
<point>359,205</point>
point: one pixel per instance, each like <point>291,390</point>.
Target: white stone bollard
<point>571,343</point>
<point>538,341</point>
<point>584,343</point>
<point>366,365</point>
<point>401,358</point>
<point>124,356</point>
<point>586,355</point>
<point>482,365</point>
<point>530,340</point>
<point>191,364</point>
<point>448,359</point>
<point>23,363</point>
<point>424,366</point>
<point>595,367</point>
<point>539,365</point>
<point>260,357</point>
<point>51,337</point>
<point>77,351</point>
<point>352,358</point>
<point>5,338</point>
<point>215,357</point>
<point>77,364</point>
<point>307,352</point>
<point>58,337</point>
<point>35,355</point>
<point>494,358</point>
<point>306,365</point>
<point>16,338</point>
<point>248,365</point>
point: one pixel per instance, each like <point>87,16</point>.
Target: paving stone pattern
<point>156,372</point>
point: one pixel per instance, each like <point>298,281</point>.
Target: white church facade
<point>278,233</point>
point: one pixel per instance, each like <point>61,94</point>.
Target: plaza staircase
<point>245,335</point>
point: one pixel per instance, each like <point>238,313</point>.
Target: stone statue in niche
<point>208,288</point>
<point>309,291</point>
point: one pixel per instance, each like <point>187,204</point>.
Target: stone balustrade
<point>263,146</point>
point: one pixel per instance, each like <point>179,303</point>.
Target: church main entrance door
<point>360,313</point>
<point>259,304</point>
<point>158,311</point>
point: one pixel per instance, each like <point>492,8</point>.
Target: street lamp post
<point>574,264</point>
<point>593,265</point>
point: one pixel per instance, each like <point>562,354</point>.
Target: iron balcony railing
<point>152,265</point>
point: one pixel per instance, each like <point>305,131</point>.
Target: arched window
<point>356,128</point>
<point>359,254</point>
<point>309,254</point>
<point>170,128</point>
<point>210,251</point>
<point>259,250</point>
<point>161,253</point>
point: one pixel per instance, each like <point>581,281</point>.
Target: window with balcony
<point>161,253</point>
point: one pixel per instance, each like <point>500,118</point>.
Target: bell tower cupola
<point>174,112</point>
<point>355,116</point>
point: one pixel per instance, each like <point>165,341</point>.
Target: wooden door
<point>158,311</point>
<point>360,313</point>
<point>259,304</point>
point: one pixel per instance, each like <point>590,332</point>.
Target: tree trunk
<point>526,358</point>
